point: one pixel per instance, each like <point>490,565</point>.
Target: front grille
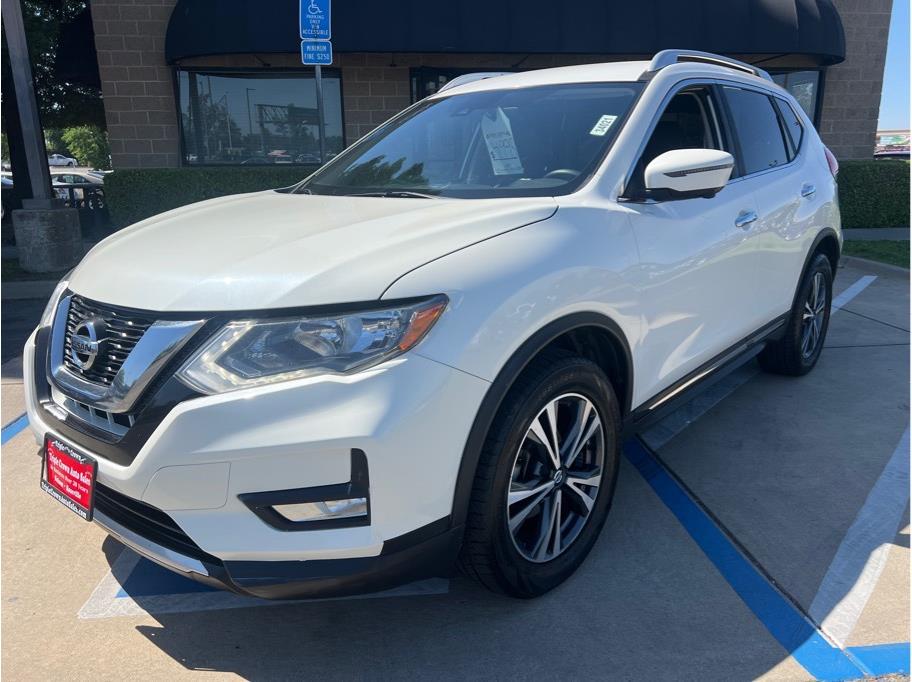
<point>148,522</point>
<point>120,334</point>
<point>116,423</point>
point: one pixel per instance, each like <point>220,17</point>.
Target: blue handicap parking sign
<point>316,52</point>
<point>315,19</point>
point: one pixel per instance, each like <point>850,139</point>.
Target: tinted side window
<point>792,125</point>
<point>757,129</point>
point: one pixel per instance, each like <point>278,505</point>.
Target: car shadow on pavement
<point>646,604</point>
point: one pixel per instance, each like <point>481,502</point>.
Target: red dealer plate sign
<point>69,477</point>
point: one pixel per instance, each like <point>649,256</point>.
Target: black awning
<point>810,28</point>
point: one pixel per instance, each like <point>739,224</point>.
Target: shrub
<point>135,194</point>
<point>874,193</point>
<point>89,144</point>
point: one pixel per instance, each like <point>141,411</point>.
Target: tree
<point>61,103</point>
<point>53,142</point>
<point>89,144</point>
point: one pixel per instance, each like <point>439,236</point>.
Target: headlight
<point>47,317</point>
<point>248,353</point>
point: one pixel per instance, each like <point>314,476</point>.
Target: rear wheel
<point>545,479</point>
<point>799,349</point>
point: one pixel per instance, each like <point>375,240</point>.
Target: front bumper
<point>427,552</point>
<point>410,417</point>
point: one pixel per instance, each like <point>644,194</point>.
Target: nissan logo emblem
<point>84,342</point>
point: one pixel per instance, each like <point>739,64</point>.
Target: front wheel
<point>798,350</point>
<point>545,479</point>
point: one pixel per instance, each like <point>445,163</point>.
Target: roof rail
<point>669,57</point>
<point>471,78</point>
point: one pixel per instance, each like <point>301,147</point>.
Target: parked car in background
<point>71,186</point>
<point>895,154</point>
<point>434,346</point>
<point>76,178</point>
<point>61,160</point>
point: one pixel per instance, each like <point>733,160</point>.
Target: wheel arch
<point>826,242</point>
<point>592,335</point>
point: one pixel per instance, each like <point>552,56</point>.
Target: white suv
<point>431,349</point>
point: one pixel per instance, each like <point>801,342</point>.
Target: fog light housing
<point>322,507</point>
<point>350,508</point>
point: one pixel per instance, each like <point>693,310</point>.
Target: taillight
<point>831,162</point>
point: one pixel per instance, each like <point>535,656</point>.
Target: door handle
<point>808,190</point>
<point>745,218</point>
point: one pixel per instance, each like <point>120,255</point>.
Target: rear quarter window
<point>792,124</point>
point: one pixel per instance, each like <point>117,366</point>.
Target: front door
<point>697,273</point>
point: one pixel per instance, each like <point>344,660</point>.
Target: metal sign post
<point>320,114</point>
<point>316,50</point>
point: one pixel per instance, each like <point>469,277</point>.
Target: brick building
<point>220,82</point>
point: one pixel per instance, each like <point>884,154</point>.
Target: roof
<point>810,28</point>
<point>583,73</point>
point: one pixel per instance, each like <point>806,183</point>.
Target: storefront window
<point>803,86</point>
<point>257,117</point>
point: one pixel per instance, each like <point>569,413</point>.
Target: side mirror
<point>688,173</point>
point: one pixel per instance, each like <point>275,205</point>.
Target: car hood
<point>275,250</point>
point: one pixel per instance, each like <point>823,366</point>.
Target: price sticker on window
<point>498,137</point>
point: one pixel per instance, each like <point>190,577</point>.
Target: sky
<point>894,104</point>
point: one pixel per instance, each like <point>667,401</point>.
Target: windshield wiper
<point>397,194</point>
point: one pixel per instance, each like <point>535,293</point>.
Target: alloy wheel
<point>813,316</point>
<point>555,478</point>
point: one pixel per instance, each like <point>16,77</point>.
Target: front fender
<point>513,294</point>
<point>504,289</point>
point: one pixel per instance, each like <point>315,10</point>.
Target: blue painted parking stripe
<point>883,659</point>
<point>13,428</point>
<point>782,619</point>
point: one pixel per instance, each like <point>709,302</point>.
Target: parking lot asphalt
<point>760,532</point>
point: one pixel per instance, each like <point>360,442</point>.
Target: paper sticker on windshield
<point>498,137</point>
<point>603,124</point>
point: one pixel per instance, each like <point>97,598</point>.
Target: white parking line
<point>843,299</point>
<point>862,555</point>
<point>660,434</point>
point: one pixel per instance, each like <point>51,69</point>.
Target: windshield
<point>537,141</point>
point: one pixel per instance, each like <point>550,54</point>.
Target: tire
<point>516,562</point>
<point>796,353</point>
<point>71,165</point>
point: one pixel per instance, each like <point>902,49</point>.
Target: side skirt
<point>684,390</point>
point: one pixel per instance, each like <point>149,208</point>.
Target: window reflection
<point>803,87</point>
<point>257,118</point>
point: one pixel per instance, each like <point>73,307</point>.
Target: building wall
<point>136,83</point>
<point>141,111</point>
<point>851,96</point>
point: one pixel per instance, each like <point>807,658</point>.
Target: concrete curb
<point>874,266</point>
<point>876,234</point>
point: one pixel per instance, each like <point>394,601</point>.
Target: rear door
<point>770,140</point>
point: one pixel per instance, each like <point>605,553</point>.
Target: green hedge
<point>874,193</point>
<point>135,194</point>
